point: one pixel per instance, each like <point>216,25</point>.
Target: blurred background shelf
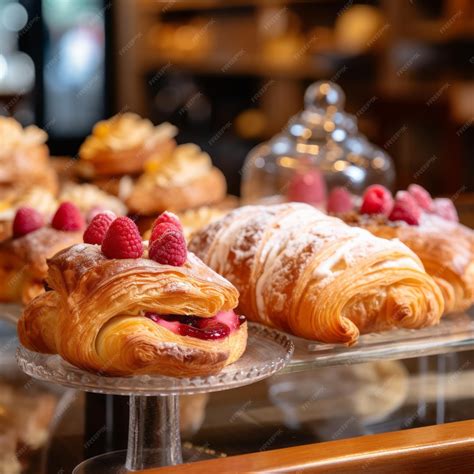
<point>238,69</point>
<point>404,66</point>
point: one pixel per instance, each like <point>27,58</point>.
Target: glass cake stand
<point>154,437</point>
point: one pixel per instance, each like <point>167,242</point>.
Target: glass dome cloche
<point>321,149</point>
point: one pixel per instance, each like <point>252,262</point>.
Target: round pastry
<point>122,145</point>
<point>88,197</point>
<point>182,179</point>
<point>123,309</point>
<point>24,160</point>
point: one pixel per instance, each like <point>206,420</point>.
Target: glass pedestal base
<point>153,436</point>
<point>114,463</point>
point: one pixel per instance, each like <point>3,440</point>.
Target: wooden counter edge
<point>443,448</point>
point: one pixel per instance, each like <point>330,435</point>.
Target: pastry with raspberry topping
<point>120,306</point>
<point>431,229</point>
<point>23,257</point>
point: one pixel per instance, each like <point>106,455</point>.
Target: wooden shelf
<point>442,449</point>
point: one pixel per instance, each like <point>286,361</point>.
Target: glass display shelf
<point>154,437</point>
<point>454,333</point>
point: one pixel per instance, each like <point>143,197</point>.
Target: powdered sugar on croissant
<point>302,271</point>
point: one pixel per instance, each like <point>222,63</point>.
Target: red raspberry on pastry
<point>165,218</point>
<point>98,227</point>
<point>169,247</point>
<point>68,217</point>
<point>308,186</point>
<point>444,207</point>
<point>340,200</point>
<point>26,220</point>
<point>122,240</point>
<point>377,199</point>
<point>421,196</point>
<point>405,209</point>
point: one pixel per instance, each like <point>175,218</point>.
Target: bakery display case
<point>236,236</point>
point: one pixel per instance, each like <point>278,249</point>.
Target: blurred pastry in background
<point>195,219</point>
<point>192,411</point>
<point>23,257</point>
<point>370,392</point>
<point>122,145</point>
<point>24,160</point>
<point>89,199</point>
<point>25,418</point>
<point>41,199</point>
<point>184,178</point>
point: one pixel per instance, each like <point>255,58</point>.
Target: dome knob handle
<point>324,94</point>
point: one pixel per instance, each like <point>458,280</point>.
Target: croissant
<point>446,249</point>
<point>310,274</point>
<point>126,317</point>
<point>23,266</point>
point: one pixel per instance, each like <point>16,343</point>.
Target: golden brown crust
<point>148,198</point>
<point>310,274</point>
<point>95,313</point>
<point>446,250</point>
<point>24,267</point>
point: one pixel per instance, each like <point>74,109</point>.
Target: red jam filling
<point>217,327</point>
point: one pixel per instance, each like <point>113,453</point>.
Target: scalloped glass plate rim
<point>268,351</point>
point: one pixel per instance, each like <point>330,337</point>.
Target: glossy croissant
<point>94,316</point>
<point>310,274</point>
<point>446,249</point>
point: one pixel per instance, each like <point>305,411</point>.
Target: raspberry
<point>421,196</point>
<point>169,248</point>
<point>377,199</point>
<point>167,218</point>
<point>122,240</point>
<point>68,217</point>
<point>26,220</point>
<point>159,229</point>
<point>340,200</point>
<point>444,207</point>
<point>405,209</point>
<point>307,187</point>
<point>98,227</point>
